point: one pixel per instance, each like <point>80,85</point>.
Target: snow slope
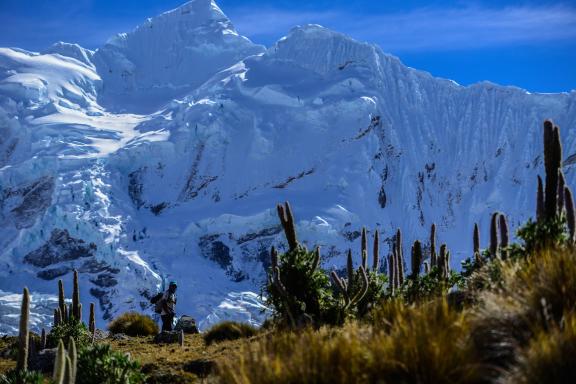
<point>162,156</point>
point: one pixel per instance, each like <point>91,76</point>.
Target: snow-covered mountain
<point>162,155</point>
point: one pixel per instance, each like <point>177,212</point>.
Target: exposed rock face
<point>25,203</point>
<point>61,247</point>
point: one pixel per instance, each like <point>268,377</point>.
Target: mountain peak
<point>168,56</point>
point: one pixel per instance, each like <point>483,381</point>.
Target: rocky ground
<point>163,363</point>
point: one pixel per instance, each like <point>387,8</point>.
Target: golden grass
<point>229,330</point>
<point>133,324</point>
<point>550,357</point>
<point>424,344</point>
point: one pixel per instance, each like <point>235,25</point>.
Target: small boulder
<point>167,337</point>
<point>187,324</point>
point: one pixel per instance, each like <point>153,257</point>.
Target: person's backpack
<point>157,300</point>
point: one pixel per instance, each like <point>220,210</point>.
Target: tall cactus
<point>352,295</point>
<point>73,356</point>
<point>433,255</point>
<point>399,257</point>
<point>561,185</point>
<point>570,213</point>
<point>287,221</point>
<point>62,301</point>
<point>92,319</point>
<point>416,259</point>
<point>444,261</point>
<point>504,237</point>
<point>376,250</point>
<point>76,312</point>
<point>43,340</point>
<point>59,364</point>
<point>364,243</point>
<point>391,273</point>
<point>552,165</point>
<point>24,333</point>
<point>540,201</point>
<point>494,235</point>
<point>476,238</point>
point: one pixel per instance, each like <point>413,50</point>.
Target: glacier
<point>162,155</point>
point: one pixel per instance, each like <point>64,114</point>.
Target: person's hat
<point>173,282</point>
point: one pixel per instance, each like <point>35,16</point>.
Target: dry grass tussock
<point>520,330</point>
<point>133,324</point>
<point>423,344</point>
<point>534,295</point>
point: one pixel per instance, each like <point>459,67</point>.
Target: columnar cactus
<point>376,254</point>
<point>351,294</point>
<point>494,235</point>
<point>399,257</point>
<point>23,335</point>
<point>391,273</point>
<point>540,201</point>
<point>561,185</point>
<point>433,255</point>
<point>504,237</point>
<point>416,259</point>
<point>73,357</point>
<point>57,317</point>
<point>444,261</point>
<point>364,241</point>
<point>552,165</point>
<point>43,339</point>
<point>62,301</point>
<point>92,319</point>
<point>76,311</point>
<point>287,221</point>
<point>59,364</point>
<point>476,238</point>
<point>570,213</point>
<point>181,338</point>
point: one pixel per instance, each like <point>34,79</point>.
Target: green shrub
<point>133,324</point>
<point>99,364</point>
<point>63,331</point>
<point>228,330</point>
<point>305,296</point>
<point>21,377</point>
<point>429,286</point>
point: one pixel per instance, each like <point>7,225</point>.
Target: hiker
<point>168,306</point>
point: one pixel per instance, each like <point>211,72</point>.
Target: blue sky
<point>531,44</point>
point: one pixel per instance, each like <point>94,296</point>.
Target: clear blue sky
<point>531,44</point>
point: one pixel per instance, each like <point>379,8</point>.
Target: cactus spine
<point>24,334</point>
<point>76,312</point>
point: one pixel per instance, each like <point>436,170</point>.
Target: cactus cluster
<point>554,199</point>
<point>349,288</point>
<point>65,364</point>
<point>68,314</point>
<point>396,264</point>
